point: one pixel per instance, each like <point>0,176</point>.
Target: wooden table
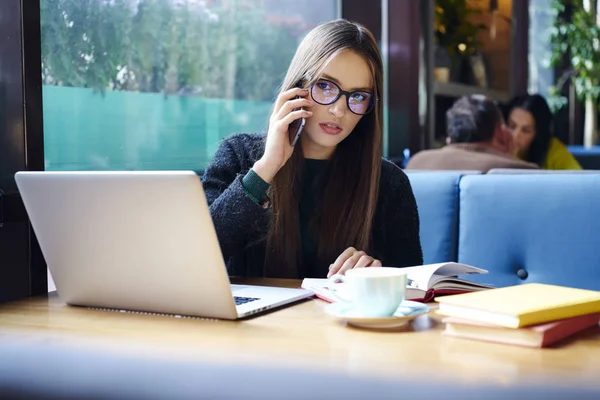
<point>303,336</point>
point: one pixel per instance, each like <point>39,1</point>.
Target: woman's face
<point>332,123</point>
<point>522,126</point>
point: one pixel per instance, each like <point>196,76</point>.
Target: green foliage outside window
<point>576,38</point>
<point>224,49</point>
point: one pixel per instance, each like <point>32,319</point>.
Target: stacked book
<point>531,315</point>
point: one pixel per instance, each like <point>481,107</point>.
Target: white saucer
<point>407,311</point>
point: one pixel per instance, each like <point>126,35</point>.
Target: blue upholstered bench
<point>531,228</point>
<point>437,196</point>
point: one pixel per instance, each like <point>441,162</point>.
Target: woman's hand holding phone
<point>278,150</point>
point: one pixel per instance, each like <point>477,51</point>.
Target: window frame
<point>24,268</point>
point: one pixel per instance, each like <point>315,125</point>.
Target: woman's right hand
<point>277,148</point>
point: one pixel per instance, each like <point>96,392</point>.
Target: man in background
<point>477,140</point>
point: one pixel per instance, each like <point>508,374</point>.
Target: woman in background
<point>529,120</point>
<point>329,203</point>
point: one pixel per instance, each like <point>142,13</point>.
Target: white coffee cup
<point>373,292</point>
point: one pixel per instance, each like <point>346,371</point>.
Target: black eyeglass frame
<point>341,92</point>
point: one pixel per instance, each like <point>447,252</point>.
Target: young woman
<point>530,121</point>
<point>330,203</point>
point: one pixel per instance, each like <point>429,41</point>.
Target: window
<point>155,84</point>
<point>541,20</point>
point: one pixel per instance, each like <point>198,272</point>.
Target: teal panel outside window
<point>155,84</point>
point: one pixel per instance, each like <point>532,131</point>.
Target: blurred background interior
<point>155,84</point>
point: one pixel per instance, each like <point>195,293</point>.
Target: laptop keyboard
<point>243,300</point>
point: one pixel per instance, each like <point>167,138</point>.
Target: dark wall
<point>22,271</point>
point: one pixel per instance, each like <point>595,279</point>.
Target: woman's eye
<point>359,97</point>
<point>323,85</point>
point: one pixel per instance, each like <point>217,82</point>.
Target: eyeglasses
<point>326,92</point>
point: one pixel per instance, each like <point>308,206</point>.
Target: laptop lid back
<point>134,240</point>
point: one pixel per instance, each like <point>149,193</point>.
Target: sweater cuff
<point>255,187</point>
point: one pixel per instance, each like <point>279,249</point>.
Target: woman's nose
<point>338,107</point>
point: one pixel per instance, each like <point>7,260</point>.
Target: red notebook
<point>541,335</point>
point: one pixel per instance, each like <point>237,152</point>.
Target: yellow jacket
<point>559,157</point>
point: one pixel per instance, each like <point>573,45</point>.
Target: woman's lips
<point>330,128</point>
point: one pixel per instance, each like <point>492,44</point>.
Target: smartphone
<point>296,127</point>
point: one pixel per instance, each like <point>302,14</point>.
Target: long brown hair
<point>352,178</point>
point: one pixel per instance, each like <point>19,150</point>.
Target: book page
<point>320,283</point>
<point>320,286</point>
<point>451,270</point>
<point>420,276</point>
<point>446,283</point>
<point>425,276</point>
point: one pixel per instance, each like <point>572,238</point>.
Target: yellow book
<point>522,305</point>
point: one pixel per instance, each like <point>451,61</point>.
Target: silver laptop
<point>137,241</point>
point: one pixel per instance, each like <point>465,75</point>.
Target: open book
<point>424,282</point>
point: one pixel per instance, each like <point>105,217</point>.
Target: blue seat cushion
<point>531,228</point>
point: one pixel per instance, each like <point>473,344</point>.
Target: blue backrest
<point>589,158</point>
<point>531,228</point>
<point>436,194</point>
